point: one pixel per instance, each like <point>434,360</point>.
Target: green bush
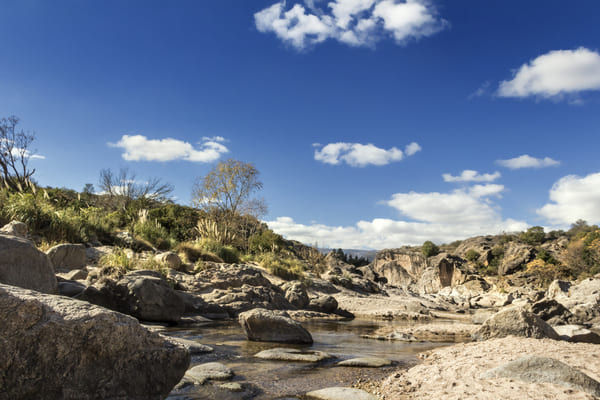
<point>472,255</point>
<point>266,241</point>
<point>287,268</point>
<point>154,233</point>
<point>429,249</point>
<point>533,236</point>
<point>228,254</point>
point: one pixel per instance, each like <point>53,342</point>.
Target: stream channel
<point>267,380</point>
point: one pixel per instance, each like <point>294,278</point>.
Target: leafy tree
<point>430,249</point>
<point>533,236</point>
<point>15,152</point>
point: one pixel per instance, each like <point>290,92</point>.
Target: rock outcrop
<point>23,265</point>
<point>273,326</point>
<point>53,347</point>
<point>15,228</point>
<point>142,294</point>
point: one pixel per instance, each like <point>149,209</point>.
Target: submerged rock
<point>340,393</point>
<point>53,347</point>
<point>212,370</point>
<point>273,326</point>
<point>285,354</point>
<point>366,362</point>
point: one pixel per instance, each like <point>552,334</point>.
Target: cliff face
<point>409,269</point>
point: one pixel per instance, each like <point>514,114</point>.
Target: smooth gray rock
<point>70,288</point>
<point>366,362</point>
<point>325,304</point>
<point>273,326</point>
<point>295,293</point>
<point>53,347</point>
<point>212,370</point>
<point>285,354</point>
<point>192,346</point>
<point>516,322</point>
<point>23,265</point>
<point>542,369</point>
<point>67,256</point>
<point>340,393</point>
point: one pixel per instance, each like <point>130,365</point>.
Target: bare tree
<point>124,187</point>
<point>15,153</point>
<point>226,195</point>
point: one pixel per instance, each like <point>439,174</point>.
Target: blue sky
<point>366,118</point>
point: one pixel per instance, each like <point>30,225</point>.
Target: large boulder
<point>295,293</point>
<point>582,299</point>
<point>515,321</point>
<point>262,325</point>
<point>68,256</point>
<point>239,299</point>
<point>196,305</point>
<point>23,265</point>
<point>324,304</point>
<point>53,347</point>
<point>170,259</point>
<point>551,311</point>
<point>142,294</point>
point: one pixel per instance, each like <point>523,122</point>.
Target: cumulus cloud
<point>140,148</point>
<point>441,217</point>
<point>572,198</point>
<point>526,161</point>
<point>353,22</point>
<point>469,175</point>
<point>555,74</point>
<point>361,155</point>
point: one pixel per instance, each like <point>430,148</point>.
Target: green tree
<point>472,255</point>
<point>430,249</point>
<point>533,236</point>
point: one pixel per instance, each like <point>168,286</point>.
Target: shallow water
<point>265,380</point>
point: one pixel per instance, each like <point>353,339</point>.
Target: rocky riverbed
<point>69,320</point>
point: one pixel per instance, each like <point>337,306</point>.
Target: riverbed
<point>267,380</point>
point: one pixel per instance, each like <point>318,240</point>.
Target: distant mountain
<point>368,254</point>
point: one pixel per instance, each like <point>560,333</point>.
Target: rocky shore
<point>71,325</point>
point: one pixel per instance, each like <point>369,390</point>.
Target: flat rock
<point>213,370</point>
<point>287,354</point>
<point>368,362</point>
<point>577,334</point>
<point>543,369</point>
<point>232,387</point>
<point>340,393</point>
<point>393,336</point>
<point>192,346</point>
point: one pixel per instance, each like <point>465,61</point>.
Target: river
<point>267,380</point>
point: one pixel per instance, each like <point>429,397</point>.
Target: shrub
<point>429,249</point>
<point>533,236</point>
<point>472,255</point>
<point>228,254</point>
<point>287,268</point>
<point>266,241</point>
<point>154,233</point>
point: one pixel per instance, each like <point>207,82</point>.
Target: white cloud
<point>441,217</point>
<point>354,22</point>
<point>140,148</point>
<point>526,161</point>
<point>572,198</point>
<point>469,175</point>
<point>361,155</point>
<point>412,148</point>
<point>554,74</point>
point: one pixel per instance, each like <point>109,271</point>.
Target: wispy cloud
<point>469,175</point>
<point>555,74</point>
<point>573,197</point>
<point>353,22</point>
<point>361,155</point>
<point>526,161</point>
<point>140,148</point>
<point>441,217</point>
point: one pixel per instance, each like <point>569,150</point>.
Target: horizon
<point>374,124</point>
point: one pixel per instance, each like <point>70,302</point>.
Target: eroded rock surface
<point>273,326</point>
